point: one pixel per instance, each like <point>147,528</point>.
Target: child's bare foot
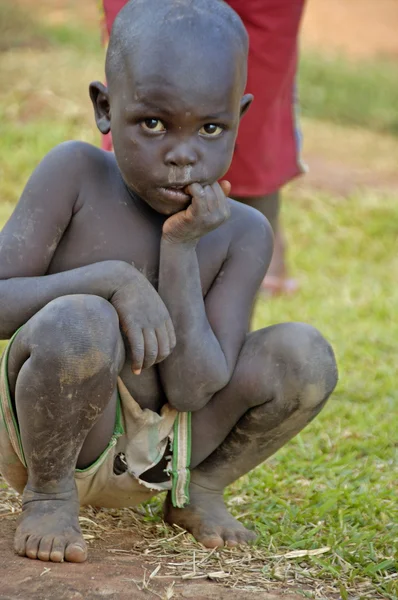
<point>207,518</point>
<point>49,529</point>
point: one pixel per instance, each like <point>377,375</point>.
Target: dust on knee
<point>314,365</point>
<point>76,336</point>
<point>309,370</point>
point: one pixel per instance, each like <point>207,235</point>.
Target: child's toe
<point>76,552</point>
<point>32,546</point>
<point>45,546</point>
<point>58,549</point>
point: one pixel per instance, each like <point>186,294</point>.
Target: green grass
<point>20,28</point>
<point>363,94</point>
<point>46,98</point>
<point>334,485</point>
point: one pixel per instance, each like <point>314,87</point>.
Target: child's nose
<point>181,155</point>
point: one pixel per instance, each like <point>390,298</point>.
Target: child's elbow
<point>193,399</point>
<point>188,403</point>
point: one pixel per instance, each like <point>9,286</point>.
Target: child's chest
<point>118,230</point>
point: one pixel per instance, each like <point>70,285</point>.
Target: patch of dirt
<point>356,28</point>
<point>106,575</point>
<point>343,179</point>
<point>344,160</point>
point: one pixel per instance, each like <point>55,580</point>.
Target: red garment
<point>267,148</point>
<point>111,8</point>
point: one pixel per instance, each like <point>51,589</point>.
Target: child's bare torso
<point>108,223</point>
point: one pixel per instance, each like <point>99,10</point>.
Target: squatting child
<point>127,282</point>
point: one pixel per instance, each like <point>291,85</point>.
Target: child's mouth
<point>175,193</point>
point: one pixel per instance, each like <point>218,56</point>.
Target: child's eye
<point>153,125</point>
<point>211,129</point>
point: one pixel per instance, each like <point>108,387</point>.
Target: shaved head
<point>178,28</point>
<point>176,76</point>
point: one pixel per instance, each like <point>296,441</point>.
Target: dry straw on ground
<point>173,555</point>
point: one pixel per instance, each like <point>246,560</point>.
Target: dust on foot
<point>208,519</point>
<point>48,528</point>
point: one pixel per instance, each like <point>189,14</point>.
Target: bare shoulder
<point>85,153</point>
<point>47,205</point>
<point>77,149</point>
<point>75,158</point>
<point>61,177</point>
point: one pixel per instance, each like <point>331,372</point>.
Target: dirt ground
<point>358,28</point>
<point>112,572</point>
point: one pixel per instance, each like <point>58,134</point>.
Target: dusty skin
<point>49,516</point>
<point>208,519</point>
<point>126,266</point>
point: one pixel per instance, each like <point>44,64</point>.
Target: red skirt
<point>267,152</point>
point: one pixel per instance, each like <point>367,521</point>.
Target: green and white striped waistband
<point>181,459</point>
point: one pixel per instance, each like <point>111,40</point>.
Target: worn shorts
<point>140,439</point>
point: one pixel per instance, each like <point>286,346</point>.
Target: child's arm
<point>28,243</point>
<point>210,332</point>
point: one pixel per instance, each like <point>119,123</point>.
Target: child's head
<point>176,73</point>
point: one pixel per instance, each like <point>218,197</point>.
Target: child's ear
<point>100,99</point>
<point>247,99</point>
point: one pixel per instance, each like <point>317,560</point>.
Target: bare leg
<point>276,280</point>
<point>63,368</point>
<point>283,377</point>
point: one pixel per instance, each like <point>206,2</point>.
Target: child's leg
<point>63,367</point>
<point>283,377</point>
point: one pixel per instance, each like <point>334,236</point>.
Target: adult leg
<point>283,377</point>
<point>268,205</point>
<point>276,279</point>
<point>63,367</point>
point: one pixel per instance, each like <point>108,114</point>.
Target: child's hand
<point>208,210</point>
<point>144,320</point>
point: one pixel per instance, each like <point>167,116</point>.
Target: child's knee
<point>291,364</point>
<point>78,335</point>
<point>306,364</point>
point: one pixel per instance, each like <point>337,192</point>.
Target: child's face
<point>174,122</point>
